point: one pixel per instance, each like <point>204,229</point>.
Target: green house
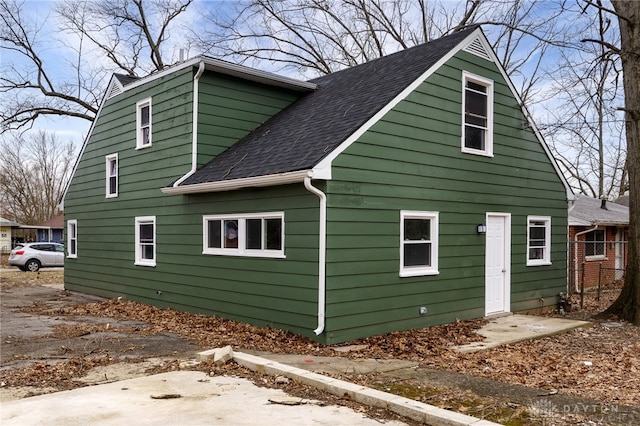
<point>405,192</point>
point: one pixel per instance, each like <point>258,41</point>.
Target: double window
<point>143,124</point>
<point>538,240</point>
<point>594,245</point>
<point>111,183</point>
<point>418,243</point>
<point>145,250</point>
<point>255,234</point>
<point>72,238</point>
<point>477,109</point>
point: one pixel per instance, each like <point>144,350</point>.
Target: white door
<point>619,254</point>
<point>497,263</point>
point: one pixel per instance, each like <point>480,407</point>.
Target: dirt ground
<point>53,340</point>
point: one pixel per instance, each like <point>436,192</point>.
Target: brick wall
<point>593,268</point>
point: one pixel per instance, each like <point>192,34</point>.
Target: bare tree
<point>33,174</point>
<point>28,93</point>
<point>126,31</point>
<point>627,306</point>
<point>312,37</point>
<point>585,129</point>
<point>96,39</point>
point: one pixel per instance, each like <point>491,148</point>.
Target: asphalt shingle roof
<point>126,79</point>
<point>587,211</point>
<point>301,135</point>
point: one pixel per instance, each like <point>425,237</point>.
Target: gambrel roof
<point>300,136</point>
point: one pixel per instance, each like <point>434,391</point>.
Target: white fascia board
<point>228,68</point>
<point>579,222</point>
<point>584,222</point>
<point>323,169</point>
<point>234,184</point>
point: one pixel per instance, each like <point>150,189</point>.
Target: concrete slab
<point>176,398</point>
<point>409,408</point>
<point>508,329</point>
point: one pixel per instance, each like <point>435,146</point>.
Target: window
<point>594,244</point>
<point>418,243</point>
<point>112,176</point>
<point>72,238</point>
<point>255,234</point>
<point>143,126</point>
<point>538,240</point>
<point>146,241</point>
<point>477,108</point>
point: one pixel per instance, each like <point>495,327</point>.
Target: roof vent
<point>603,204</point>
<point>477,48</point>
<point>115,90</point>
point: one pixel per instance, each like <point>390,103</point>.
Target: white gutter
<point>322,248</point>
<point>575,254</point>
<point>194,130</point>
<point>234,70</point>
<point>233,184</point>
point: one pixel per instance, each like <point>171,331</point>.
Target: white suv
<point>33,256</point>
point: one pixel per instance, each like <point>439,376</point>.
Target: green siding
<point>279,292</point>
<point>230,108</point>
<point>409,160</point>
<point>412,160</point>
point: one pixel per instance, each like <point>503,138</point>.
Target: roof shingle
<point>587,211</point>
<point>301,135</point>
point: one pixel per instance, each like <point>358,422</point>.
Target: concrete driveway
<point>177,398</point>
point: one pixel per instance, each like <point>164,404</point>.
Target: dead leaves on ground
<point>601,362</point>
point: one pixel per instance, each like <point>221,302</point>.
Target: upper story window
<point>72,238</point>
<point>418,243</point>
<point>594,246</point>
<point>143,123</point>
<point>111,183</point>
<point>538,240</point>
<point>254,234</point>
<point>477,109</point>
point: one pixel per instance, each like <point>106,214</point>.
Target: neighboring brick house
<point>598,233</point>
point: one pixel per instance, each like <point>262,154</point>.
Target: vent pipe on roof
<point>603,204</point>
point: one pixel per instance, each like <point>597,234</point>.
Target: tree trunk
<point>627,306</point>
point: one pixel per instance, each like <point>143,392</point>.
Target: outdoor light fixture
<point>482,228</point>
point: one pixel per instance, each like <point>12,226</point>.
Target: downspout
<point>194,120</point>
<point>322,248</point>
<point>575,254</point>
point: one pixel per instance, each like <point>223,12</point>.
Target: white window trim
<point>602,256</point>
<point>72,223</point>
<point>414,271</point>
<point>547,243</point>
<point>139,139</point>
<point>140,220</point>
<point>108,159</point>
<point>488,151</point>
<point>241,250</point>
